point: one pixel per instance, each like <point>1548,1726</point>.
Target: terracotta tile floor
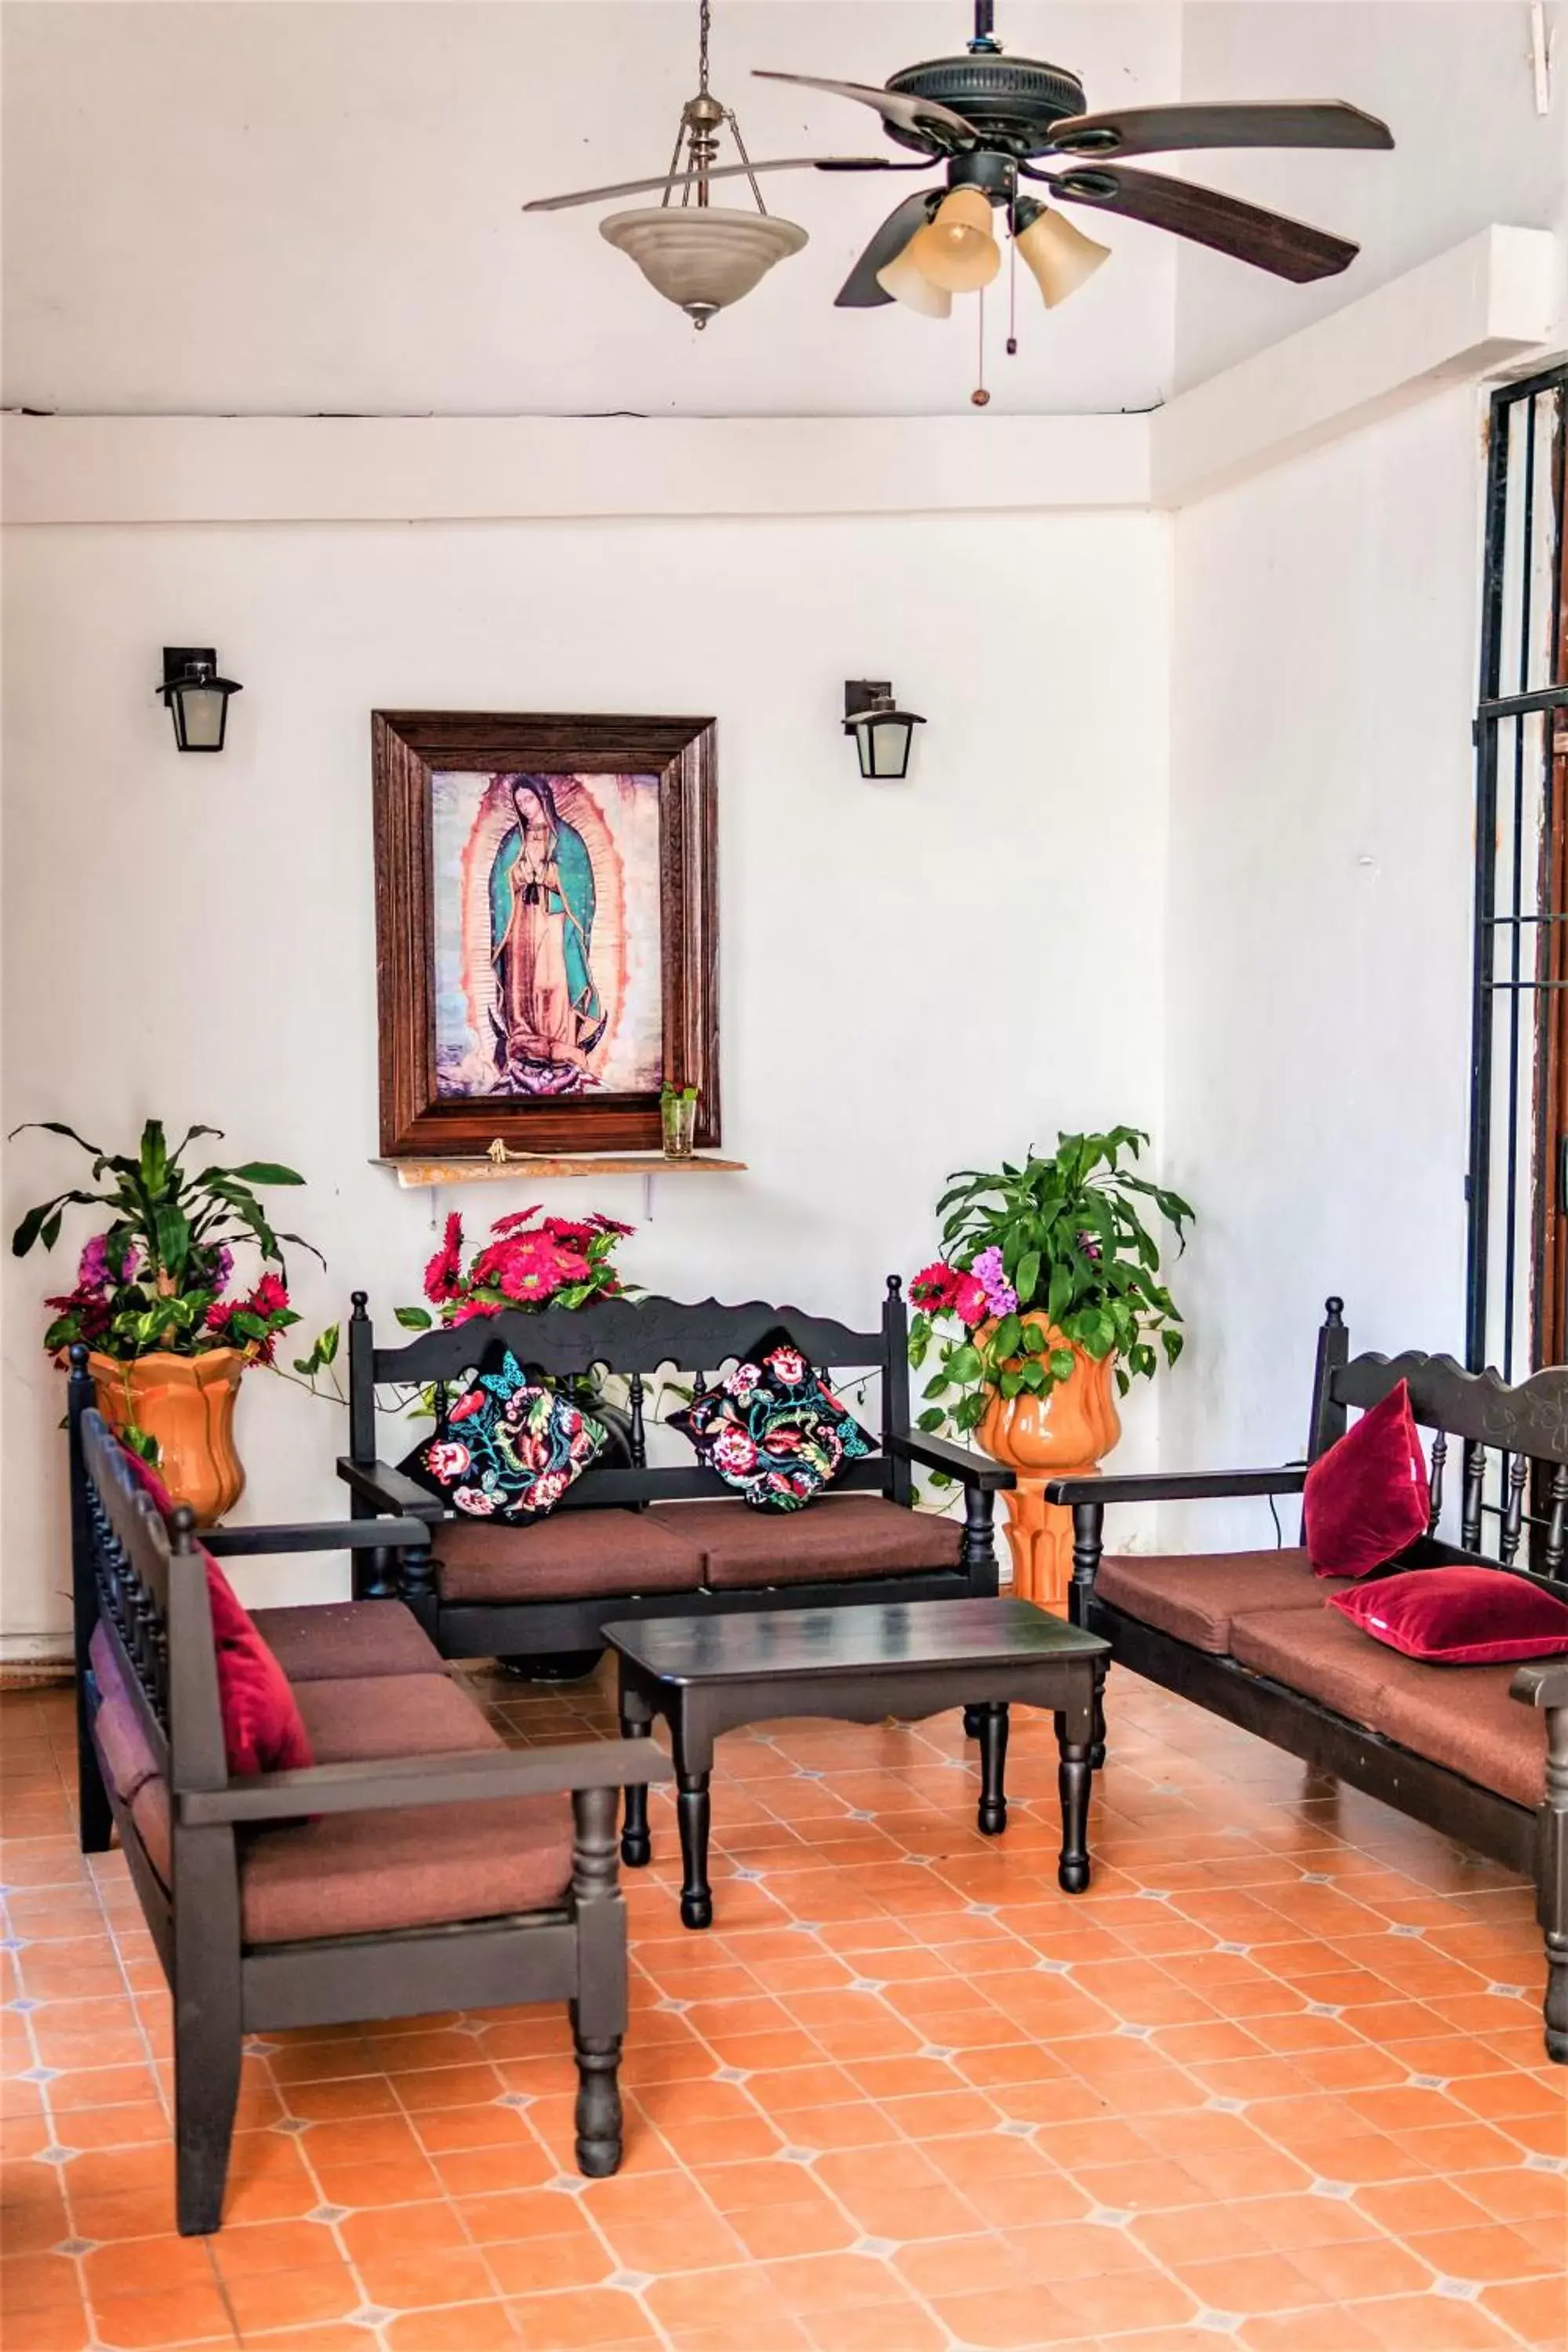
<point>1275,2080</point>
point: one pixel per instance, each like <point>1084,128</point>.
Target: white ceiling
<point>239,206</point>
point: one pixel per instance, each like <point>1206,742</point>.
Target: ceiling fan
<point>988,121</point>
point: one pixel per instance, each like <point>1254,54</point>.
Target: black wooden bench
<point>632,1540</point>
<point>1246,1635</point>
<point>452,1873</point>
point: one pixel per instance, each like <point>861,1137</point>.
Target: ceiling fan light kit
<point>984,121</point>
<point>905,280</point>
<point>1059,257</point>
<point>956,251</point>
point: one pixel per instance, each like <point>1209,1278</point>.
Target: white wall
<point>913,977</point>
<point>1453,80</point>
<point>1318,935</point>
<point>249,208</point>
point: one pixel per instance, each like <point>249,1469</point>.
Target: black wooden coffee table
<point>708,1674</point>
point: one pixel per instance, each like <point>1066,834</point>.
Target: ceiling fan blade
<point>1166,130</point>
<point>724,172</point>
<point>1268,240</point>
<point>908,113</point>
<point>860,290</point>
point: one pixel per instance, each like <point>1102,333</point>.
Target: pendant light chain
<point>704,27</point>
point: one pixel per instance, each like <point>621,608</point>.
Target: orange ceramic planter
<point>186,1402</point>
<point>1063,1436</point>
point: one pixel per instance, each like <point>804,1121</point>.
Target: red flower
<point>443,1272</point>
<point>935,1287</point>
<point>469,1309</point>
<point>611,1226</point>
<point>269,1298</point>
<point>220,1314</point>
<point>570,1232</point>
<point>518,1217</point>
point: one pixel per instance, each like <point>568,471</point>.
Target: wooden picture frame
<point>457,1093</point>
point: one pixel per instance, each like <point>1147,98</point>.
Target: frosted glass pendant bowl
<point>702,256</point>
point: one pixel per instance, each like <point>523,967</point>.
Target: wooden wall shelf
<point>414,1175</point>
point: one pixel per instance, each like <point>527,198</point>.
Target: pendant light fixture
<point>700,256</point>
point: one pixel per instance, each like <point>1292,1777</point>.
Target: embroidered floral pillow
<point>772,1429</point>
<point>507,1449</point>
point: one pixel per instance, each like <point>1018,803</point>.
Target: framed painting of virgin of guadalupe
<point>546,929</point>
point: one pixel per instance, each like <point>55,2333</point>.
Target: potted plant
<point>169,1340</point>
<point>1048,1286</point>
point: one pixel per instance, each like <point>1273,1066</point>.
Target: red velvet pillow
<point>1367,1496</point>
<point>263,1730</point>
<point>1459,1616</point>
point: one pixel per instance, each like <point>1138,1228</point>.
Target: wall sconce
<point>197,697</point>
<point>882,735</point>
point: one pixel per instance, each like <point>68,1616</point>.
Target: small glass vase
<point>678,1114</point>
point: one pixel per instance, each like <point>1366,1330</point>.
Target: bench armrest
<point>330,1535</point>
<point>1543,1683</point>
<point>386,1786</point>
<point>1177,1486</point>
<point>971,1469</point>
<point>389,1490</point>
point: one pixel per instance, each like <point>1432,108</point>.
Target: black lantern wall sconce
<point>196,697</point>
<point>883,735</point>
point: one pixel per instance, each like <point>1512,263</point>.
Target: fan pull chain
<point>979,397</point>
<point>1013,276</point>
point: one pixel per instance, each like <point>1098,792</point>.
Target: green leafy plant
<point>157,1277</point>
<point>1060,1238</point>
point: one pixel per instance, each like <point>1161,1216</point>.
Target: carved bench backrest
<point>129,1554</point>
<point>151,1594</point>
<point>1525,1424</point>
<point>636,1336</point>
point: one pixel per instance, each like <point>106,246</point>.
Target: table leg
<point>972,1718</point>
<point>636,1720</point>
<point>992,1735</point>
<point>1074,1776</point>
<point>693,1772</point>
<point>695,1813</point>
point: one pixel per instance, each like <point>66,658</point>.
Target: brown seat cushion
<point>361,1874</point>
<point>1462,1716</point>
<point>1459,1716</point>
<point>1193,1595</point>
<point>1316,1651</point>
<point>392,1714</point>
<point>572,1555</point>
<point>331,1640</point>
<point>832,1541</point>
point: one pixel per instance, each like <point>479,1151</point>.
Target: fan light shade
<point>702,256</point>
<point>956,251</point>
<point>905,280</point>
<point>1058,257</point>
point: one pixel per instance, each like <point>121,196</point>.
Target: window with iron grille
<point>1517,1293</point>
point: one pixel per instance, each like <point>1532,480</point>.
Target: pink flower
<point>547,1489</point>
<point>789,1365</point>
<point>733,1451</point>
<point>741,1384</point>
<point>92,1272</point>
<point>474,1502</point>
<point>969,1301</point>
<point>443,1459</point>
<point>444,1272</point>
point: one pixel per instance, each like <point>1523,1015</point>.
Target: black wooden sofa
<point>421,1866</point>
<point>629,1540</point>
<point>1477,1752</point>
